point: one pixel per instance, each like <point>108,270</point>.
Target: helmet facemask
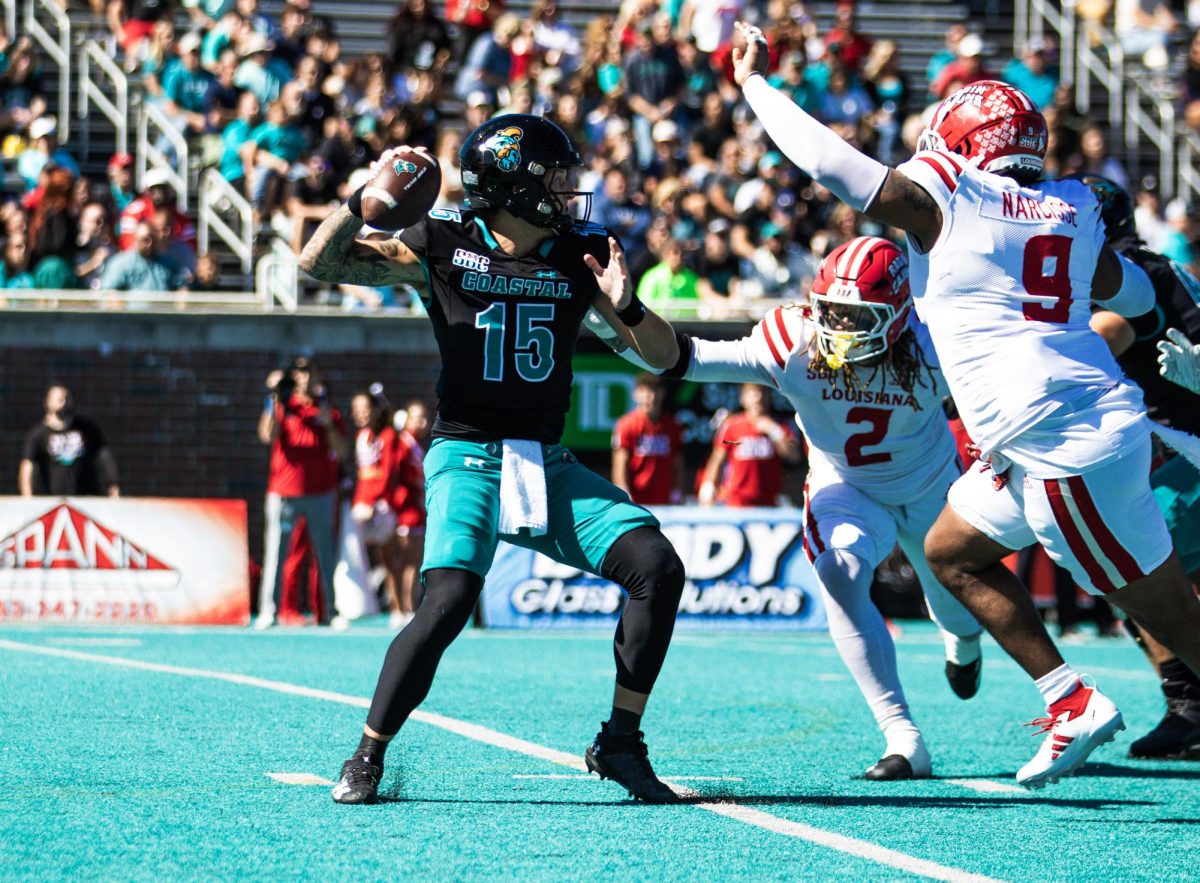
<point>850,330</point>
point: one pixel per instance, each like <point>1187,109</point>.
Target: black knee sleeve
<point>413,656</point>
<point>646,566</point>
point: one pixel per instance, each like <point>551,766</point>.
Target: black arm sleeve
<point>685,356</point>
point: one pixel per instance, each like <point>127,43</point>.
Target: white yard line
<point>863,849</point>
<point>986,786</point>
<point>298,778</point>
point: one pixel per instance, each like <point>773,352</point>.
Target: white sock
<point>861,635</point>
<point>1058,684</point>
<point>962,651</point>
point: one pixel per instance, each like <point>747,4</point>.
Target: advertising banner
<point>95,559</point>
<point>745,570</point>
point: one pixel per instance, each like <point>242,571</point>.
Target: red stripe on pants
<point>811,523</point>
<point>1109,544</point>
<point>1062,515</point>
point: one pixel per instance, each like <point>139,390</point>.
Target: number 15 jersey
<point>1006,293</point>
<point>506,326</point>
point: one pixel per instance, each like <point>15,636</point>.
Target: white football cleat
<point>1075,726</point>
<point>262,623</point>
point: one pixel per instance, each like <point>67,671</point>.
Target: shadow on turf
<point>805,800</point>
<point>1112,770</point>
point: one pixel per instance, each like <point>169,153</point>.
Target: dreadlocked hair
<point>905,361</point>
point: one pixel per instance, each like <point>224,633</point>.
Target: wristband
<point>633,314</point>
<point>354,203</point>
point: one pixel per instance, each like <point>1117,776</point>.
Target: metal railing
<point>217,197</point>
<point>1031,20</point>
<point>1189,176</point>
<point>277,280</point>
<point>10,18</point>
<point>1153,117</point>
<point>57,46</point>
<point>1092,54</point>
<point>1108,72</point>
<point>92,91</point>
<point>158,301</point>
<point>152,121</point>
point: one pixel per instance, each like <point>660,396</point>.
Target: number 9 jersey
<point>506,326</point>
<point>1006,294</point>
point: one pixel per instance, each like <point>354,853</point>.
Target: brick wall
<point>182,422</point>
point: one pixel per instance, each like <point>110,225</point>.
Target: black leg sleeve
<point>646,566</point>
<point>413,657</point>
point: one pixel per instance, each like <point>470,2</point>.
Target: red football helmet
<point>991,124</point>
<point>860,300</point>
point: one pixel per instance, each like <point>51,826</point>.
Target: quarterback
<point>1004,270</point>
<point>509,282</point>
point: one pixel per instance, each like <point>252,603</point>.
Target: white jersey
<point>1006,292</point>
<point>873,439</point>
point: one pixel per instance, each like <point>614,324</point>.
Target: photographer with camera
<point>308,442</point>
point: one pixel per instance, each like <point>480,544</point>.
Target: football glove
<point>1179,360</point>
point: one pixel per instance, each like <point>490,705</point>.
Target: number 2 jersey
<point>1006,293</point>
<point>873,438</point>
<point>506,326</point>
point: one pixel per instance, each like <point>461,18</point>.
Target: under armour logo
<point>473,462</point>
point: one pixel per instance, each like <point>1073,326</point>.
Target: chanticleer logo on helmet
<point>505,145</point>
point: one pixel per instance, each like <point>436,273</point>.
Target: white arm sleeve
<point>853,177</point>
<point>1136,294</point>
<point>596,324</point>
<point>760,358</point>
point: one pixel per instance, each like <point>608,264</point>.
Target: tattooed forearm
<point>334,254</point>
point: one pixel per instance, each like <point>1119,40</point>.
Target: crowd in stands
<point>712,217</point>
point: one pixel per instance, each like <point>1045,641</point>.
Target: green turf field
<point>171,768</point>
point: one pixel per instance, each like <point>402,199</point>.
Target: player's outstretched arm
<point>643,331</point>
<point>335,254</point>
<point>861,182</point>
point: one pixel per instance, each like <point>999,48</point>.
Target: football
<point>402,191</point>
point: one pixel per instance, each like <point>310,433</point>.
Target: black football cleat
<point>1177,736</point>
<point>890,769</point>
<point>359,782</point>
<point>964,679</point>
<point>624,758</point>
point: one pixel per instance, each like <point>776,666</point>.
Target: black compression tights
<point>641,561</point>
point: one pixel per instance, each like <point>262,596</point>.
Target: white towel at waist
<point>523,488</point>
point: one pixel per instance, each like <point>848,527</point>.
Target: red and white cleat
<point>1075,727</point>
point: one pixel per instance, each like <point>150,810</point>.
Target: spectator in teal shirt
<point>14,268</point>
<point>273,148</point>
<point>186,87</point>
<point>142,268</point>
<point>258,72</point>
<point>120,181</point>
<point>1032,74</point>
<point>804,83</point>
<point>235,135</point>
